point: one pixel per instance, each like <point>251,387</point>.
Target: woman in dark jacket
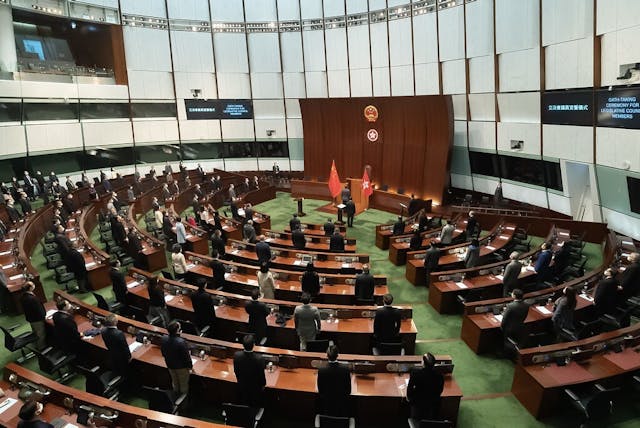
<point>563,309</point>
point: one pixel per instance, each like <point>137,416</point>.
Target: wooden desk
<point>399,245</point>
<point>384,232</point>
<point>317,229</point>
<point>314,242</point>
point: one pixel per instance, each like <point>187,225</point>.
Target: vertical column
<point>8,56</point>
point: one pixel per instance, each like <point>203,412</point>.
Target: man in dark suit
<point>310,280</point>
<point>472,229</point>
<point>329,227</point>
<point>511,273</point>
<point>65,330</point>
<point>118,282</point>
<point>217,243</point>
<point>298,239</point>
<point>249,370</point>
<point>424,389</point>
<point>203,307</point>
<point>218,271</point>
<point>34,313</point>
<point>512,323</point>
<point>294,223</point>
<point>631,277</point>
<point>364,285</point>
<point>248,212</point>
<point>177,358</point>
<point>135,249</point>
<point>258,313</point>
<point>606,295</point>
<point>117,230</point>
<point>542,263</point>
<point>336,242</point>
<point>386,324</point>
<point>345,194</point>
<point>116,343</point>
<point>398,226</point>
<point>76,264</point>
<point>249,232</point>
<point>263,250</point>
<point>350,211</point>
<point>29,415</point>
<point>14,215</point>
<point>431,259</point>
<point>334,386</point>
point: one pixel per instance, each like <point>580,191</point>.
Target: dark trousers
<point>350,220</point>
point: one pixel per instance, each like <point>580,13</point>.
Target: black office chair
<point>325,421</point>
<point>595,403</point>
<point>52,361</point>
<point>105,384</point>
<point>166,274</point>
<point>317,345</point>
<point>386,348</point>
<point>110,307</point>
<point>241,416</point>
<point>19,343</point>
<point>190,328</point>
<point>163,400</point>
<point>429,423</point>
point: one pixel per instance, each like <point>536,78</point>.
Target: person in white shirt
<point>181,233</point>
<point>178,262</point>
<point>159,217</point>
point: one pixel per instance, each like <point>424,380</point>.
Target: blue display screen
<point>34,46</point>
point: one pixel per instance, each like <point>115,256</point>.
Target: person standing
<point>512,323</point>
<point>472,256</point>
<point>446,234</point>
<point>29,415</point>
<point>178,262</point>
<point>334,386</point>
<point>217,243</point>
<point>350,210</point>
<point>365,285</point>
<point>181,234</point>
<point>336,242</point>
<point>266,282</point>
<point>157,303</point>
<point>606,295</point>
<point>431,261</point>
<point>345,194</point>
<point>329,227</point>
<point>543,262</point>
<point>294,223</point>
<point>298,239</point>
<point>249,232</point>
<point>630,282</point>
<point>398,226</point>
<point>263,250</point>
<point>204,309</point>
<point>177,358</point>
<point>307,321</point>
<point>563,310</point>
<point>416,241</point>
<point>249,370</point>
<point>386,324</point>
<point>118,282</point>
<point>117,347</point>
<point>425,389</point>
<point>258,313</point>
<point>65,330</point>
<point>218,272</point>
<point>34,313</point>
<point>310,280</point>
<point>473,227</point>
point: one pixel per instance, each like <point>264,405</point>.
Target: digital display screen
<point>568,108</point>
<point>34,47</point>
<point>619,108</point>
<point>218,109</point>
<point>633,186</point>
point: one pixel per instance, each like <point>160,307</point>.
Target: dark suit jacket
<point>334,389</point>
<point>511,273</point>
<point>135,246</point>
<point>218,273</point>
<point>119,285</point>
<point>176,353</point>
<point>513,319</point>
<point>33,309</point>
<point>431,258</point>
<point>542,264</point>
<point>310,282</point>
<point>472,222</point>
<point>75,263</point>
<point>336,242</point>
<point>364,286</point>
<point>398,228</point>
<point>297,237</point>
<point>34,424</point>
<point>386,324</point>
<point>606,296</point>
<point>424,391</point>
<point>263,250</point>
<point>258,312</point>
<point>249,370</point>
<point>329,228</point>
<point>350,208</point>
<point>65,331</point>
<point>294,224</point>
<point>119,353</point>
<point>472,257</point>
<point>204,309</point>
<point>218,245</point>
<point>117,230</point>
<point>415,243</point>
<point>631,280</point>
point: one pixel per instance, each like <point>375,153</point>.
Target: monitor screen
<point>33,47</point>
<point>218,109</point>
<point>633,186</point>
<point>568,107</point>
<point>619,108</point>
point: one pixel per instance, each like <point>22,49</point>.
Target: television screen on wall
<point>633,186</point>
<point>568,107</point>
<point>198,109</point>
<point>619,108</point>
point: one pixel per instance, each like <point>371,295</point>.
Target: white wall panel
<point>425,38</point>
<point>293,109</point>
<point>377,4</point>
<point>357,6</point>
<point>11,88</point>
<point>260,10</point>
<point>108,92</point>
<point>381,83</point>
<point>482,106</point>
<point>481,74</point>
<point>231,53</point>
<point>233,85</point>
<point>379,43</point>
<point>288,10</point>
<point>294,128</point>
<point>192,51</point>
<point>264,52</point>
<point>333,7</point>
<point>147,49</point>
<point>148,131</point>
<point>277,127</point>
<point>459,107</point>
<point>569,64</point>
<point>525,194</point>
<point>460,133</point>
<point>621,223</point>
<point>294,85</point>
<point>358,41</point>
<point>454,77</point>
<point>296,165</point>
<point>400,42</point>
<point>268,109</point>
<point>360,82</point>
<point>517,25</point>
<point>150,85</point>
<point>615,15</point>
<point>523,107</point>
<point>482,135</point>
<point>615,147</point>
<point>107,133</point>
<point>568,142</point>
<point>13,139</point>
<point>227,11</point>
<point>402,80</point>
<point>189,9</point>
<point>184,82</point>
<point>266,85</point>
<point>427,79</point>
<point>316,84</point>
<point>461,181</point>
<point>54,136</point>
<point>313,44</point>
<point>47,90</point>
<point>311,9</point>
<point>338,83</point>
<point>147,7</point>
<point>451,33</point>
<point>618,48</point>
<point>484,185</point>
<point>559,203</point>
<point>519,71</point>
<point>527,132</point>
<point>237,129</point>
<point>337,56</point>
<point>479,25</point>
<point>241,164</point>
<point>208,130</point>
<point>566,20</point>
<point>291,52</point>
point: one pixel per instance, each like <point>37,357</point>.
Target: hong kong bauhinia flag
<point>366,184</point>
<point>334,181</point>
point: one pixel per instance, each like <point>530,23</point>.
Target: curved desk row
<point>399,246</point>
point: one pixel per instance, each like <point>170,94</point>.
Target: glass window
<point>141,110</point>
<point>105,158</point>
<point>273,149</point>
<point>50,111</point>
<point>104,110</point>
<point>484,163</point>
<point>239,150</point>
<point>60,163</point>
<point>10,112</point>
<point>525,170</point>
<point>12,168</point>
<point>157,154</point>
<point>552,174</point>
<point>196,151</point>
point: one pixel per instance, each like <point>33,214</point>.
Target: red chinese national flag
<point>334,181</point>
<point>366,184</point>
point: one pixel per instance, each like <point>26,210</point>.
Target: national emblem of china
<point>371,113</point>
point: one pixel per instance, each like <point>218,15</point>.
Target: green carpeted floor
<point>485,380</point>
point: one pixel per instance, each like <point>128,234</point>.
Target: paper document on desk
<point>188,235</point>
<point>134,346</point>
<point>461,285</point>
<point>193,361</point>
<point>6,404</point>
<point>530,268</point>
<point>50,313</point>
<point>227,275</point>
<point>587,297</point>
<point>8,240</point>
<point>191,265</point>
<point>236,251</point>
<point>297,263</point>
<point>168,298</point>
<point>252,282</point>
<point>346,265</point>
<point>14,277</point>
<point>544,310</point>
<point>490,248</point>
<point>4,253</point>
<point>510,228</point>
<point>500,277</point>
<point>90,264</point>
<point>7,266</point>
<point>133,284</point>
<point>498,318</point>
<point>563,233</point>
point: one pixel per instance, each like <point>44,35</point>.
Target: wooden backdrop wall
<point>412,152</point>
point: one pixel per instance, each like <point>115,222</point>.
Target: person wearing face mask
<point>30,416</point>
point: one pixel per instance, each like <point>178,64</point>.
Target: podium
<point>357,194</point>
